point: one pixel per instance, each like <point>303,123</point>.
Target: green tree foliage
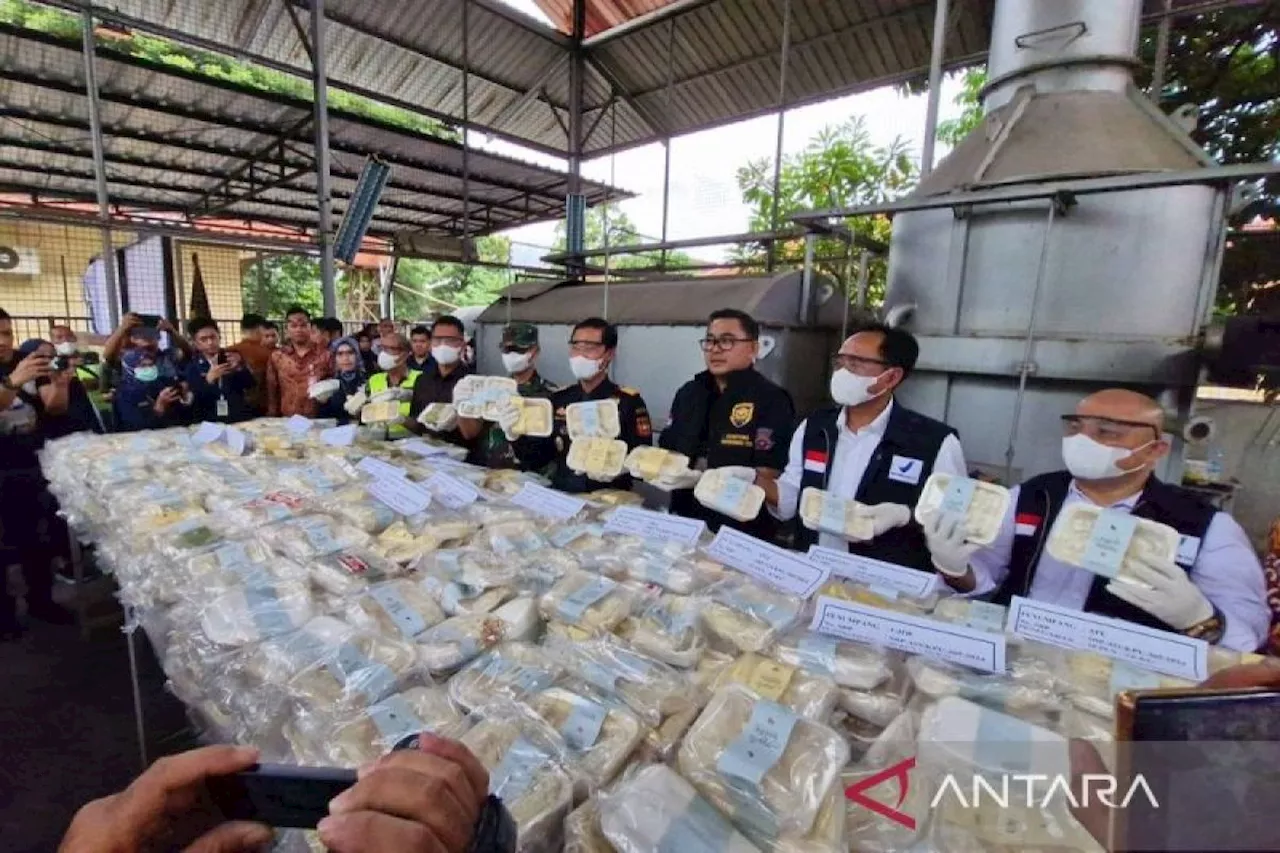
<point>271,285</point>
<point>622,232</point>
<point>840,167</point>
<point>434,287</point>
<point>1227,65</point>
<point>951,131</point>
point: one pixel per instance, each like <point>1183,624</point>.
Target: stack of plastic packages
<point>625,694</point>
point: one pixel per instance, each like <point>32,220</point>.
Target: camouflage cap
<point>521,335</point>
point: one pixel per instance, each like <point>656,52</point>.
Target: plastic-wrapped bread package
<point>880,597</point>
<point>669,629</point>
<point>361,669</point>
<point>867,830</point>
<point>542,569</point>
<point>444,527</point>
<point>599,458</point>
<point>823,511</point>
<point>483,396</point>
<point>594,419</point>
<point>312,536</point>
<point>511,671</point>
<point>983,505</point>
<point>457,598</point>
<point>649,687</point>
<point>729,496</point>
<point>657,810</point>
<point>385,411</point>
<point>827,835</point>
<point>535,417</point>
<point>319,737</point>
<point>650,463</point>
<point>525,759</point>
<point>248,516</point>
<point>767,768</point>
<point>848,664</point>
<point>256,612</point>
<point>811,696</point>
<point>877,707</point>
<point>397,608</point>
<point>509,539</point>
<point>1025,691</point>
<point>668,566</point>
<point>238,563</point>
<point>520,619</point>
<point>607,499</point>
<point>747,615</point>
<point>400,544</point>
<point>965,739</point>
<point>982,615</point>
<point>458,640</point>
<point>354,505</point>
<point>1109,542</point>
<point>192,536</point>
<point>316,475</point>
<point>351,570</point>
<point>582,832</point>
<point>600,736</point>
<point>592,603</point>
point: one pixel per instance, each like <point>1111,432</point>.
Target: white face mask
<point>1087,459</point>
<point>850,389</point>
<point>583,367</point>
<point>446,355</point>
<point>517,362</point>
<point>387,361</point>
<point>65,348</point>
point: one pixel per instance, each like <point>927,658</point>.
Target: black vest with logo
<point>909,436</point>
<point>1041,498</point>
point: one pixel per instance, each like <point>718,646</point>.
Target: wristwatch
<point>495,830</point>
<point>8,383</point>
<point>1211,629</point>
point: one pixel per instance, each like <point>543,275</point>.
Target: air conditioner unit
<point>15,260</point>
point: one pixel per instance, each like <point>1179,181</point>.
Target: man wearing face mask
<point>1213,589</point>
<point>519,357</point>
<point>592,347</point>
<point>869,448</point>
<point>395,373</point>
<point>729,417</point>
<point>439,378</point>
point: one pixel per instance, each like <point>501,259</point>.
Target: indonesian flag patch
<point>815,461</point>
<point>1026,524</point>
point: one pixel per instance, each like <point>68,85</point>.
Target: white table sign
<point>770,564</point>
<point>548,502</point>
<point>633,521</point>
<point>403,496</point>
<point>875,573</point>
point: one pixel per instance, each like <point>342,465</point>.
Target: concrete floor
<point>67,732</point>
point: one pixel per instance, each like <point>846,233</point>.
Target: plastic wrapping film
<point>608,668</point>
<point>582,830</point>
<point>669,628</point>
<point>601,459</point>
<point>594,419</point>
<point>600,736</point>
<point>823,511</point>
<point>397,608</point>
<point>983,505</point>
<point>765,767</point>
<point>458,640</point>
<point>593,603</point>
<point>804,693</point>
<point>736,498</point>
<point>658,810</point>
<point>319,736</point>
<point>847,664</point>
<point>747,616</point>
<point>1109,542</point>
<point>511,671</point>
<point>652,463</point>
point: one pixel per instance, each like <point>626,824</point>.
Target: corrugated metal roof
<point>602,15</point>
<point>724,55</point>
<point>174,137</point>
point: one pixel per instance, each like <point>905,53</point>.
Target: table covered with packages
<point>631,681</point>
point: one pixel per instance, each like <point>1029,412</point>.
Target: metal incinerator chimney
<point>1028,298</point>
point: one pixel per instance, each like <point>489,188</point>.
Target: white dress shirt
<point>1226,570</point>
<point>848,465</point>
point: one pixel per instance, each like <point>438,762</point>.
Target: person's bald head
<point>1120,404</point>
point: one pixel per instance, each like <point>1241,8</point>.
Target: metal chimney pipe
<point>1061,45</point>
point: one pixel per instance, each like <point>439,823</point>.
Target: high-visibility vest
<point>378,384</point>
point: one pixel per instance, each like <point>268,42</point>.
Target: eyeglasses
<point>853,363</point>
<point>511,348</point>
<point>1103,429</point>
<point>447,341</point>
<point>724,343</point>
<point>393,350</point>
<point>588,347</point>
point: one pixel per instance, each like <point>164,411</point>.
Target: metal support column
<point>1162,52</point>
<point>782,113</point>
<point>666,145</point>
<point>466,123</point>
<point>324,197</point>
<point>100,174</point>
<point>577,75</point>
<point>806,276</point>
<point>937,48</point>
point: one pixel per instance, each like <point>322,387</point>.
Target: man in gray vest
<point>1213,588</point>
<point>870,449</point>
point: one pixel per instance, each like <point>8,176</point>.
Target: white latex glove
<point>675,482</point>
<point>397,395</point>
<point>738,472</point>
<point>508,417</point>
<point>1168,594</point>
<point>355,403</point>
<point>885,517</point>
<point>944,534</point>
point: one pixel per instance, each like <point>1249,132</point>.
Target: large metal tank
<point>1023,307</point>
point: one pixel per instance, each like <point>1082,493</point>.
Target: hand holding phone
<point>279,795</point>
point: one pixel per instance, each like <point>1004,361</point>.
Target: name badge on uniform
<point>223,409</point>
<point>906,470</point>
<point>1188,550</point>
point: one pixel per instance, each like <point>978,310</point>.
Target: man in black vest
<point>870,449</point>
<point>1213,589</point>
<point>730,417</point>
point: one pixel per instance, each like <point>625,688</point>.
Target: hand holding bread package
<point>322,602</point>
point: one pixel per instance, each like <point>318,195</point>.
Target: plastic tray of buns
<point>1091,538</point>
<point>729,496</point>
<point>827,513</point>
<point>984,505</point>
<point>593,419</point>
<point>599,458</point>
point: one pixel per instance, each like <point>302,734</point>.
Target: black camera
<point>59,363</point>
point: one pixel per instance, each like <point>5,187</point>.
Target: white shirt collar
<point>1127,503</point>
<point>876,427</point>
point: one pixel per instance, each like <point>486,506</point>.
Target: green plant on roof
<point>215,66</point>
